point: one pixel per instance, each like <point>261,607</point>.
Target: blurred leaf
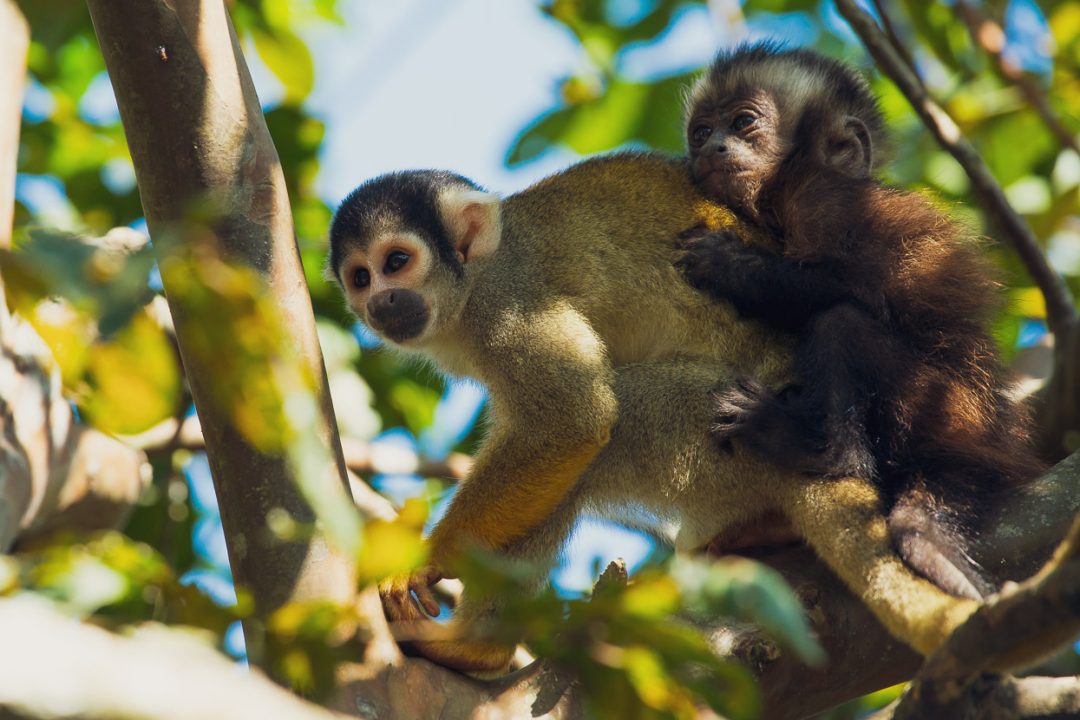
<point>396,547</point>
<point>628,112</point>
<point>781,6</point>
<point>415,402</point>
<point>289,59</point>
<point>937,26</point>
<point>310,639</point>
<point>751,591</point>
<point>97,276</point>
<point>120,581</point>
<point>651,597</point>
<point>1028,302</point>
<point>133,380</point>
<point>1014,144</point>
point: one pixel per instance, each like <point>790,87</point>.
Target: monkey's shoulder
<point>624,194</point>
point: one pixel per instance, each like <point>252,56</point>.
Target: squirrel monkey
<point>565,302</point>
<point>900,378</point>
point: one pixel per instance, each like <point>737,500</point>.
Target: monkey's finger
<point>397,600</point>
<point>427,599</point>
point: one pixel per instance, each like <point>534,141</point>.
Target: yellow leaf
<point>1029,302</point>
<point>653,598</point>
<point>133,379</point>
<point>390,548</point>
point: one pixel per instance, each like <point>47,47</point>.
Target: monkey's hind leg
<point>844,522</point>
<point>930,539</point>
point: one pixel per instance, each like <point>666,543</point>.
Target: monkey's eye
<point>742,121</point>
<point>361,278</point>
<point>700,134</point>
<point>395,261</point>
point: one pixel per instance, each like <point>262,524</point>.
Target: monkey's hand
<point>720,264</point>
<point>397,594</point>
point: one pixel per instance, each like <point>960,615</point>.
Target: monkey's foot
<point>748,410</point>
<point>935,548</point>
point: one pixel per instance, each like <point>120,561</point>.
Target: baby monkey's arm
<point>761,284</point>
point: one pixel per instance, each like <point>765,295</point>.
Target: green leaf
<point>751,591</point>
<point>289,59</point>
<point>628,112</point>
<point>97,276</point>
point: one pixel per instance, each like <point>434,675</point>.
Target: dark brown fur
<point>892,302</point>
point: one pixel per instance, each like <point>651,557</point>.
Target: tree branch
<point>863,657</point>
<point>197,135</point>
<point>53,667</point>
<point>1023,624</point>
<point>1060,309</point>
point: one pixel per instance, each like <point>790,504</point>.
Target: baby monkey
<point>890,301</point>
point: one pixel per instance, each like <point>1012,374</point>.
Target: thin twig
<point>1060,310</point>
<point>989,35</point>
<point>894,38</point>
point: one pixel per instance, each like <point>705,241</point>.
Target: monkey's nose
<point>382,303</point>
<point>399,314</point>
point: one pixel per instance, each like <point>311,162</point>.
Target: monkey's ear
<point>851,150</point>
<point>474,219</point>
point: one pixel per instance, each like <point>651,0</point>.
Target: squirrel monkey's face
<point>401,247</point>
<point>391,284</point>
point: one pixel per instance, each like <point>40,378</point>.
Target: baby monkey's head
<point>401,245</point>
<point>760,105</point>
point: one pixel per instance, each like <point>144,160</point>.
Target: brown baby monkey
<point>899,380</point>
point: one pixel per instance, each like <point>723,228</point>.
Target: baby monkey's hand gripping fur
<point>564,301</point>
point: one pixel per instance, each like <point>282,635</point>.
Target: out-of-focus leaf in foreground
<point>232,326</point>
<point>632,645</point>
<point>747,590</point>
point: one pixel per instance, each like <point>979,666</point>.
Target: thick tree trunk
<point>198,139</point>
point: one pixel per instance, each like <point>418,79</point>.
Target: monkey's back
<point>605,234</point>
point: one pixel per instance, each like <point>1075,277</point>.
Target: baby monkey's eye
<point>742,121</point>
<point>700,134</point>
<point>361,278</point>
<point>395,261</point>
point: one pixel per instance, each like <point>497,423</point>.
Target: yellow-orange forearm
<point>499,504</point>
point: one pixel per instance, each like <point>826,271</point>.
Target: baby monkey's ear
<point>473,219</point>
<point>850,149</point>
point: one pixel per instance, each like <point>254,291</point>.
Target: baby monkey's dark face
<point>736,143</point>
